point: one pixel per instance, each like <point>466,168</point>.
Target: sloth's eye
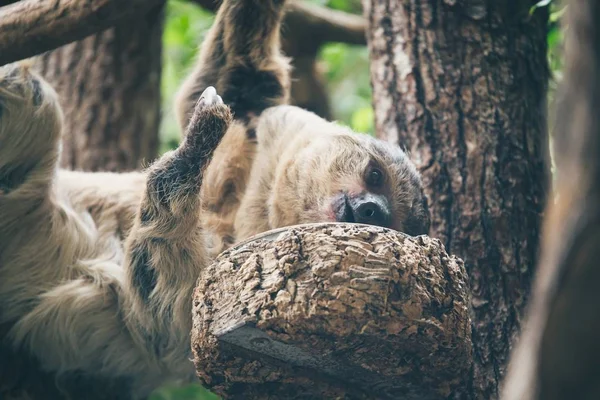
<point>374,177</point>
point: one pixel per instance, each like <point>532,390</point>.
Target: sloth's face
<point>351,178</point>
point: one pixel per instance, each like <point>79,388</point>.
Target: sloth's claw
<point>210,97</point>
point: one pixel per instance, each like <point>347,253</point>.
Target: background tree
<point>463,86</point>
<point>109,84</point>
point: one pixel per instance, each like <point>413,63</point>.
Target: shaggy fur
<point>97,269</point>
<point>258,177</point>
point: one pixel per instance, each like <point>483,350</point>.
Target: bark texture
<point>333,311</point>
<point>31,27</point>
<point>109,86</point>
<point>558,356</point>
<point>462,85</point>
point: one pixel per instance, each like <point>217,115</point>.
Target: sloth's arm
<point>165,249</point>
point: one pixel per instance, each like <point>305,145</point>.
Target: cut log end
<point>333,310</point>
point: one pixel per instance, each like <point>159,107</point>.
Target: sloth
<point>97,269</point>
<point>280,165</point>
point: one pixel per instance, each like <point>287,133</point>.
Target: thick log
<point>333,311</point>
<point>31,27</point>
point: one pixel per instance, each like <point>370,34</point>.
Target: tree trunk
<point>462,85</point>
<point>109,85</point>
<point>333,311</point>
<point>558,356</point>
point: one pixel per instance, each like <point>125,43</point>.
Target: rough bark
<point>305,29</point>
<point>109,85</point>
<point>333,311</point>
<point>31,27</point>
<point>462,85</point>
<point>558,356</point>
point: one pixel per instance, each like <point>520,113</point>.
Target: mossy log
<point>333,311</point>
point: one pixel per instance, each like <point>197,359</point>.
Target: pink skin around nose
<point>351,191</point>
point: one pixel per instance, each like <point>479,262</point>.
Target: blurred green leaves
<point>346,70</point>
<point>189,392</point>
<point>555,40</point>
<point>185,27</point>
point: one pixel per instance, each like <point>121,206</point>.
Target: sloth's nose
<point>369,212</point>
<point>370,209</point>
<point>366,208</point>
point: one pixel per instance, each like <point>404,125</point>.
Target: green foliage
<point>185,27</point>
<point>348,82</point>
<point>555,42</point>
<point>189,392</point>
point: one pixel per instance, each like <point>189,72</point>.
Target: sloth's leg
<point>165,250</point>
<point>241,56</point>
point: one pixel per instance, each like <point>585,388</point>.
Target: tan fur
<point>302,161</point>
<point>66,245</point>
<point>97,269</point>
<point>228,48</point>
<point>247,191</point>
<point>224,187</point>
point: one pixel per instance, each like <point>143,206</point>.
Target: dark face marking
<point>144,276</point>
<point>418,220</point>
<point>366,208</point>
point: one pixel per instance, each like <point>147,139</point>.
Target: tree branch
<point>31,27</point>
<point>311,26</point>
<point>326,25</point>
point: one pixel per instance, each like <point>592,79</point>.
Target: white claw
<point>219,100</point>
<point>209,95</point>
